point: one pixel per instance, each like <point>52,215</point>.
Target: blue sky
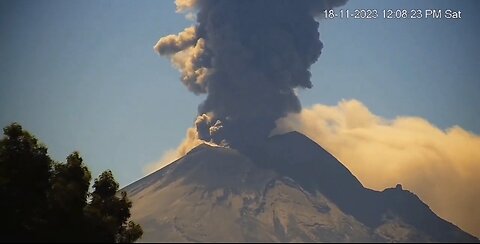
<point>82,75</point>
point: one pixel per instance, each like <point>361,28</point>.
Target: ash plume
<point>247,56</point>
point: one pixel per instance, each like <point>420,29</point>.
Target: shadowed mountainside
<point>290,190</point>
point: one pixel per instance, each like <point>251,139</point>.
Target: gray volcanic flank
<point>290,190</point>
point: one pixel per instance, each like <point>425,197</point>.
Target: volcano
<point>288,190</point>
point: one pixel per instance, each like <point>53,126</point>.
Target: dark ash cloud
<point>247,56</point>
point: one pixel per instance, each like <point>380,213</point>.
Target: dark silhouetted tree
<point>25,170</point>
<point>110,212</point>
<point>68,198</point>
<point>129,233</point>
<point>47,201</point>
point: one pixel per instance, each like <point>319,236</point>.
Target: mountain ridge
<point>186,200</point>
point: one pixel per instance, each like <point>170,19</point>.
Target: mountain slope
<point>290,190</point>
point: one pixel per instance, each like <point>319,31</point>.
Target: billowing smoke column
<point>247,56</point>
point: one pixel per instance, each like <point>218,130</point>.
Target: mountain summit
<point>290,190</point>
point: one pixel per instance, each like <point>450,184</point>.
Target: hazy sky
<point>82,75</point>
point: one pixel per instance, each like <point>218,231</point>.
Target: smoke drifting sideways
<point>247,56</point>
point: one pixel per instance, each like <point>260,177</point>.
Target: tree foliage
<point>25,170</point>
<point>47,201</point>
<point>110,213</point>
